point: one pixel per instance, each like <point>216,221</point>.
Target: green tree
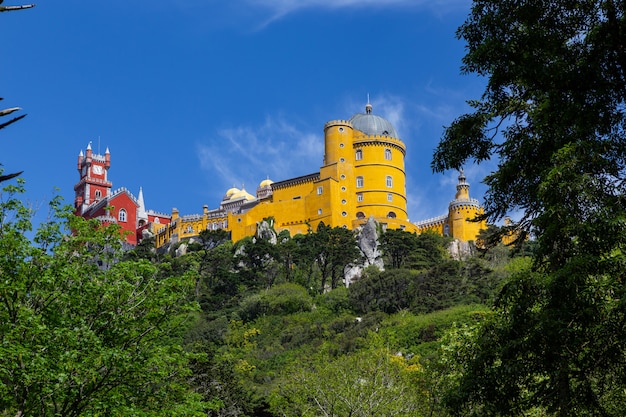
<point>397,247</point>
<point>335,248</point>
<point>369,383</point>
<point>81,339</point>
<point>553,115</point>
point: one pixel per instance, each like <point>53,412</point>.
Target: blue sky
<point>193,97</point>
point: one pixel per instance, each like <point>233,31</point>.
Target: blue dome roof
<point>370,124</point>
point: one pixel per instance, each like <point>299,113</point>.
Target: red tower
<point>93,185</point>
<point>94,198</point>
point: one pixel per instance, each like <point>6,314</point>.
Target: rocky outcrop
<point>265,230</point>
<point>367,241</point>
<point>460,250</point>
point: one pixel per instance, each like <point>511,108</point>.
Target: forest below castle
<point>254,328</point>
<point>251,328</point>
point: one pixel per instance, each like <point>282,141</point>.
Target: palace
<point>362,176</point>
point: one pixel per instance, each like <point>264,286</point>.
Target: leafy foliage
<point>81,332</point>
<point>553,114</point>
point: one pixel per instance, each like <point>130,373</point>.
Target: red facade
<point>95,199</point>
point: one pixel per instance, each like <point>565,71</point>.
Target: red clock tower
<point>93,185</point>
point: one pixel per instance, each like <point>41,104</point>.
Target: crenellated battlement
<point>471,203</point>
<point>433,221</point>
<point>337,123</point>
<point>124,190</point>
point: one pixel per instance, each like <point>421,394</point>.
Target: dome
<point>370,124</point>
<point>266,183</point>
<point>231,191</point>
<point>242,193</point>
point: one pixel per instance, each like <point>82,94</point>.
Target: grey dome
<point>370,124</point>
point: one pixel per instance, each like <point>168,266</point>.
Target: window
<point>344,214</point>
<point>343,177</point>
<point>189,229</point>
<point>388,154</point>
<point>389,197</point>
<point>359,197</point>
<point>391,215</point>
<point>342,159</point>
<point>359,182</point>
<point>121,216</point>
<point>343,188</point>
<point>98,194</point>
<point>360,215</point>
<point>359,154</point>
<point>341,145</point>
<point>344,202</point>
<point>319,211</point>
<point>389,181</point>
<point>320,190</point>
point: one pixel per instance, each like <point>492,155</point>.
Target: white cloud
<point>246,155</point>
<point>281,8</point>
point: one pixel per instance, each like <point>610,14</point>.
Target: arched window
<point>98,194</point>
<point>389,197</point>
<point>446,230</point>
<point>389,181</point>
<point>359,182</point>
<point>388,154</point>
<point>358,154</point>
<point>121,216</point>
<point>391,215</point>
<point>360,215</point>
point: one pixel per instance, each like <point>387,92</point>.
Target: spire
<point>368,106</point>
<point>462,188</point>
<point>141,210</point>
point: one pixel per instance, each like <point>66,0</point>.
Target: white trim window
<point>359,182</point>
<point>389,181</point>
<point>122,215</point>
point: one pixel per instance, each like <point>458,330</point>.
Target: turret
<point>89,154</point>
<point>462,188</point>
<point>107,158</point>
<point>80,160</point>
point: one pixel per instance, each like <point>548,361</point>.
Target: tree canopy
<point>81,332</point>
<point>552,114</point>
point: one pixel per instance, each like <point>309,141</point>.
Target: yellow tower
<point>462,211</point>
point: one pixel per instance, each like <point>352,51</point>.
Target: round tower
<point>462,211</point>
<point>380,178</point>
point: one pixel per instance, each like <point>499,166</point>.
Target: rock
<point>265,230</point>
<point>367,241</point>
<point>460,250</point>
<point>181,250</point>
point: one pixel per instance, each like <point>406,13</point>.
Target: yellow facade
<point>363,176</point>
